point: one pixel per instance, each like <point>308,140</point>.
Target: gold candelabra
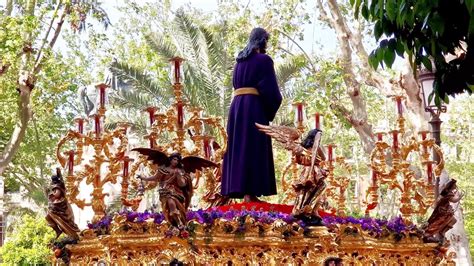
<point>336,184</point>
<point>392,167</point>
<point>167,132</point>
<point>108,150</point>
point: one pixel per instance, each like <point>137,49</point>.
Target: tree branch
<point>40,60</point>
<point>313,68</point>
<point>358,117</point>
<point>25,82</point>
<point>50,26</point>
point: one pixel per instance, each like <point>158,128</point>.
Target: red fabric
<point>263,206</point>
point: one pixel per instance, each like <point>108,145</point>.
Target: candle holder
<point>400,119</point>
<point>391,168</point>
<point>336,184</point>
<point>102,95</point>
<point>317,121</point>
<point>91,170</point>
<point>300,115</point>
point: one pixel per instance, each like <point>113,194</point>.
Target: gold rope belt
<point>245,90</point>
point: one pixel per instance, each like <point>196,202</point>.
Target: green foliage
<point>20,34</point>
<point>29,242</point>
<point>458,135</point>
<point>425,31</point>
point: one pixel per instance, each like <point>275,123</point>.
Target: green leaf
<point>356,8</point>
<point>427,63</point>
<point>437,100</point>
<point>470,6</point>
<point>400,48</point>
<point>430,98</point>
<point>365,12</point>
<point>471,87</point>
<point>446,99</point>
<point>471,26</point>
<point>379,54</point>
<point>388,57</point>
<point>374,63</point>
<point>378,30</point>
<point>391,9</point>
<point>437,24</point>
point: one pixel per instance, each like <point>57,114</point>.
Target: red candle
<point>180,114</point>
<point>151,112</point>
<point>423,137</point>
<point>152,142</point>
<point>379,136</point>
<point>299,110</point>
<point>70,162</point>
<point>395,140</point>
<point>176,71</point>
<point>399,106</point>
<point>316,119</point>
<point>330,152</point>
<point>207,148</point>
<point>126,161</point>
<point>429,172</point>
<point>102,96</point>
<point>374,178</point>
<point>80,125</point>
<point>97,125</point>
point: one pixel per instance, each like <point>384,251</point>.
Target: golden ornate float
<point>250,236</point>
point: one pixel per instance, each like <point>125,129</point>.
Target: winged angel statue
<point>174,181</point>
<point>310,186</point>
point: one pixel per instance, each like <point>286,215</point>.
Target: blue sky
<point>316,37</point>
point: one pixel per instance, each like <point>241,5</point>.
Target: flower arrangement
<point>377,228</point>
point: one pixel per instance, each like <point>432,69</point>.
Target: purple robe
<point>248,167</point>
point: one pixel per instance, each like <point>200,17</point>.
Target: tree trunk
<point>8,8</point>
<point>457,236</point>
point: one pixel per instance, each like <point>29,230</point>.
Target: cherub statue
<point>308,153</point>
<point>442,219</point>
<point>60,216</point>
<point>174,181</point>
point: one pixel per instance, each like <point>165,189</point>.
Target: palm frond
<point>161,46</point>
<point>287,70</point>
<point>130,100</point>
<point>141,82</point>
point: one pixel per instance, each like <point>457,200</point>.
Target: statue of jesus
<point>248,168</point>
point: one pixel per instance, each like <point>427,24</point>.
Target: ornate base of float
<point>132,243</point>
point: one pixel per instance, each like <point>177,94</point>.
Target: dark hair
<point>308,142</point>
<point>57,179</point>
<point>332,259</point>
<point>451,185</point>
<point>257,40</point>
<point>176,155</point>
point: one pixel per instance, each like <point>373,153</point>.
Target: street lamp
<point>426,79</point>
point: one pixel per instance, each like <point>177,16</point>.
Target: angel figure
<point>310,186</point>
<point>60,216</point>
<point>174,181</point>
<point>442,219</point>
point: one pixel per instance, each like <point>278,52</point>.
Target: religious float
<point>184,156</point>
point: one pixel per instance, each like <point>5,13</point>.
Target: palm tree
<point>208,69</point>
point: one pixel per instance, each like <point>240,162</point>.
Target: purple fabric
<point>248,163</point>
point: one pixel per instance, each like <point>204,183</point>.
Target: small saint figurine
<point>174,182</point>
<point>442,219</point>
<point>60,216</point>
<point>311,185</point>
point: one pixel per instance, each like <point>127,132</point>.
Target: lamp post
<point>426,79</point>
